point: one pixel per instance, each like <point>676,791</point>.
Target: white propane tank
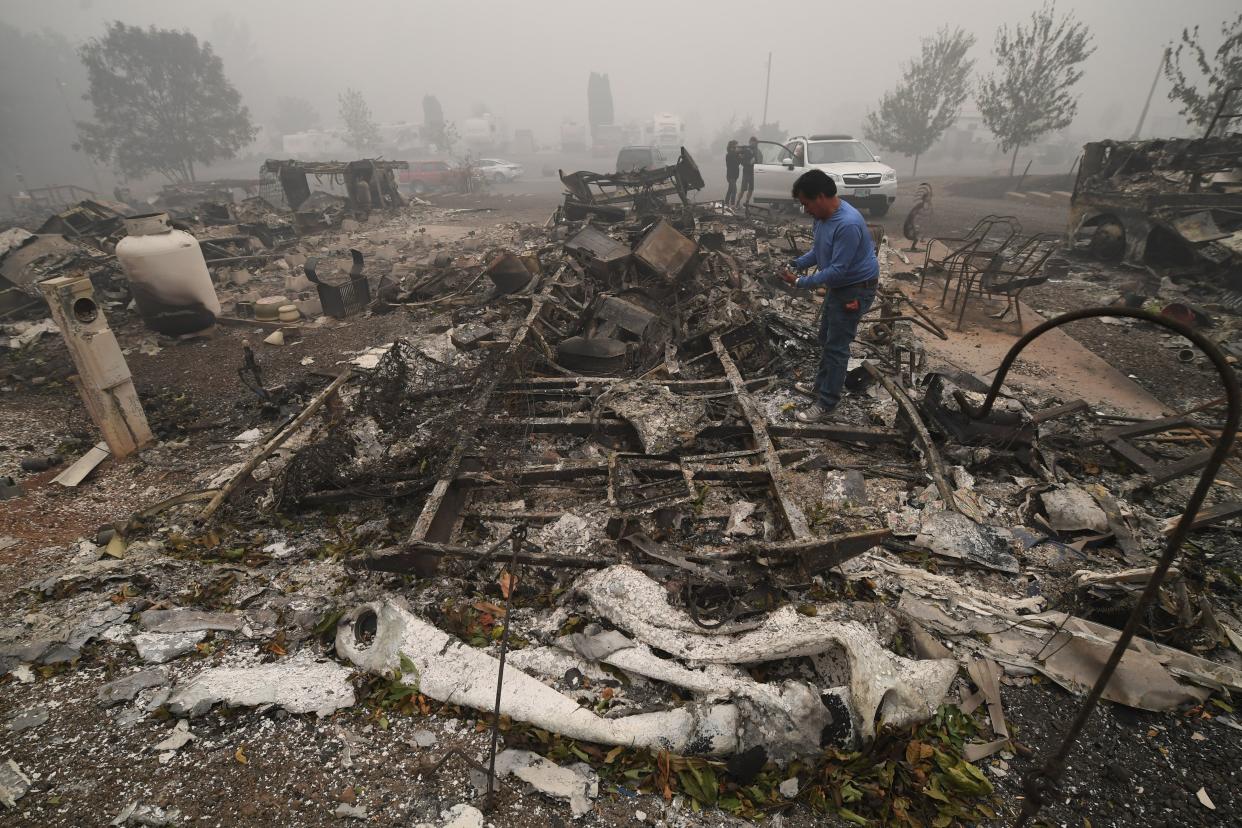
<point>167,275</point>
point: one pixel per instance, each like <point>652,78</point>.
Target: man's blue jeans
<point>838,325</point>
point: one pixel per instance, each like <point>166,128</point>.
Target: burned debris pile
<point>563,492</point>
<point>1172,204</point>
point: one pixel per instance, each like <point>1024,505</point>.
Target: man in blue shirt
<point>846,264</point>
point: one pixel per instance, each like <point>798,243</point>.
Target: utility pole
<point>1164,56</point>
<point>767,88</point>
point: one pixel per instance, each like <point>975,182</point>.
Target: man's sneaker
<point>807,388</point>
<point>814,414</point>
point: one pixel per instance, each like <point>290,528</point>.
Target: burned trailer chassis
<point>1161,196</point>
<point>760,464</point>
<point>1140,216</point>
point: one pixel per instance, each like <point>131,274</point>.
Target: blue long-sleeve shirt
<point>842,251</point>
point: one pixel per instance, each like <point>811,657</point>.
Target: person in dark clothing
<point>733,162</point>
<point>750,156</point>
<point>846,264</point>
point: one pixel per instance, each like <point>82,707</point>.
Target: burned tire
<point>879,210</point>
<point>498,178</point>
<point>1108,241</point>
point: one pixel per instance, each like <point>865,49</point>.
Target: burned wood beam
<point>423,557</point>
<point>514,517</point>
<point>830,431</point>
<point>583,426</point>
<point>572,382</point>
<point>737,474</point>
<point>577,470</point>
<point>367,491</point>
<point>1072,407</point>
<point>1219,513</point>
<point>794,517</point>
<point>820,554</point>
<point>825,552</point>
<point>273,443</point>
<point>1118,442</point>
<point>580,426</point>
<point>931,457</point>
<point>568,470</point>
<point>1178,468</point>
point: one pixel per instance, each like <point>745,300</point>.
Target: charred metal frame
<point>1041,783</point>
<point>586,188</point>
<point>445,504</point>
<point>376,175</point>
<point>794,517</point>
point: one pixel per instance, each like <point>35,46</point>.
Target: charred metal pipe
<point>1038,785</point>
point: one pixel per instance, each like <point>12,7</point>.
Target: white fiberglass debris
<point>578,784</point>
<point>13,784</point>
<point>250,435</point>
<point>158,648</point>
<point>568,535</point>
<point>1072,509</point>
<point>901,691</point>
<point>179,738</point>
<point>738,513</point>
<point>299,685</point>
<point>453,672</point>
<point>464,816</point>
<point>953,535</point>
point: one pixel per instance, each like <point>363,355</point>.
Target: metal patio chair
<point>1007,274</point>
<point>991,234</point>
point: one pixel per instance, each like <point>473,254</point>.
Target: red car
<point>432,176</point>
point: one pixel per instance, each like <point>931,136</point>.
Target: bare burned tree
<point>162,103</point>
<point>1226,71</point>
<point>926,102</point>
<point>363,133</point>
<point>1029,94</point>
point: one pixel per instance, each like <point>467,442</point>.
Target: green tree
<point>363,133</point>
<point>295,115</point>
<point>1226,71</point>
<point>1029,94</point>
<point>927,100</point>
<point>162,103</point>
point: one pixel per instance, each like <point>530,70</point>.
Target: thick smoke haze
<point>528,62</point>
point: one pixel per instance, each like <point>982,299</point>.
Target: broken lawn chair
<point>1007,274</point>
<point>991,234</point>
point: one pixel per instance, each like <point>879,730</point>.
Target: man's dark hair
<point>814,183</point>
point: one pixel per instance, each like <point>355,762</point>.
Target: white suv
<point>861,179</point>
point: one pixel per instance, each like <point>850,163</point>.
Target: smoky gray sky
<point>528,61</point>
